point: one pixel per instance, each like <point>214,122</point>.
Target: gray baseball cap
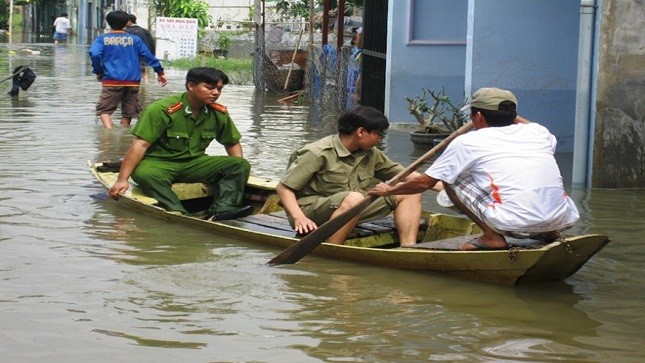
<point>489,98</point>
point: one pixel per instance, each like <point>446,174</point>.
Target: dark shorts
<point>111,97</point>
<point>321,209</point>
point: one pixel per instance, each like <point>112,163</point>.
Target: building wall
<point>529,47</point>
<point>426,49</point>
<point>229,13</point>
<point>618,156</point>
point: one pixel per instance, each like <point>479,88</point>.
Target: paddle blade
<point>301,248</point>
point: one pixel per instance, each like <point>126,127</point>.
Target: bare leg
<point>406,218</point>
<point>106,120</point>
<point>490,238</point>
<point>125,121</point>
<point>350,200</point>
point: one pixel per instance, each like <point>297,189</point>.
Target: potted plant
<point>437,116</point>
<point>222,45</point>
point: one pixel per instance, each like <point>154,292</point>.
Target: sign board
<point>176,38</point>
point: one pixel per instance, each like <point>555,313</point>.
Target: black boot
<point>232,214</point>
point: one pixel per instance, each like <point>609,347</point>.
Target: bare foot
<point>484,243</point>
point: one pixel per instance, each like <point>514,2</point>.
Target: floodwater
<point>83,279</point>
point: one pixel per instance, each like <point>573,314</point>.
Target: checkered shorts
<point>474,198</point>
<point>479,201</point>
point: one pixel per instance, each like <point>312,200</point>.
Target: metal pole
<point>259,46</point>
<point>309,79</point>
<point>10,20</point>
<point>583,133</point>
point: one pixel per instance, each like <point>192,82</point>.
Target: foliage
<point>4,15</point>
<point>197,9</point>
<point>300,8</point>
<point>224,41</point>
<point>217,39</point>
<point>441,117</point>
<point>240,71</point>
<point>293,8</point>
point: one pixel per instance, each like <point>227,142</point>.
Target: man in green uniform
<point>327,177</point>
<point>170,143</point>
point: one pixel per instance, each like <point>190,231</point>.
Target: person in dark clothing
<point>143,33</point>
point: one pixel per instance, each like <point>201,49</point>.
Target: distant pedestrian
<point>62,27</point>
<point>143,33</point>
<point>115,61</point>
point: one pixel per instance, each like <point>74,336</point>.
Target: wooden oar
<point>301,248</point>
<point>291,97</point>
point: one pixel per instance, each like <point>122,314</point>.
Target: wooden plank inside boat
<point>279,221</point>
<point>268,220</point>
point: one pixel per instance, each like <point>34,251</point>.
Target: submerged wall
<point>619,150</point>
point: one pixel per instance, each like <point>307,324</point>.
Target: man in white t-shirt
<point>503,176</point>
<point>62,26</point>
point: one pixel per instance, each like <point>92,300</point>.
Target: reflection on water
<point>408,317</point>
<point>84,278</point>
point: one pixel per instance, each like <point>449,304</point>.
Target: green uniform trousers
<point>228,174</point>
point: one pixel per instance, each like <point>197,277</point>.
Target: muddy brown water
<point>83,279</point>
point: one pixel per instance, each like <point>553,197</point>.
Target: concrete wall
<point>229,13</point>
<point>619,146</point>
<point>529,47</point>
<point>426,49</point>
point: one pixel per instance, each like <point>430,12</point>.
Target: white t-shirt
<point>62,24</point>
<point>515,174</point>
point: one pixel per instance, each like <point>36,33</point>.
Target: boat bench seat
<point>256,192</point>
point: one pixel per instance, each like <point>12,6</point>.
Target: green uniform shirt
<point>174,134</point>
<point>325,167</point>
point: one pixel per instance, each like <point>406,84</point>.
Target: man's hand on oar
<point>301,248</point>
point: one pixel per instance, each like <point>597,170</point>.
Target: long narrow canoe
<point>376,243</point>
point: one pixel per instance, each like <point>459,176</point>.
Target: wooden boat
<point>376,243</point>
